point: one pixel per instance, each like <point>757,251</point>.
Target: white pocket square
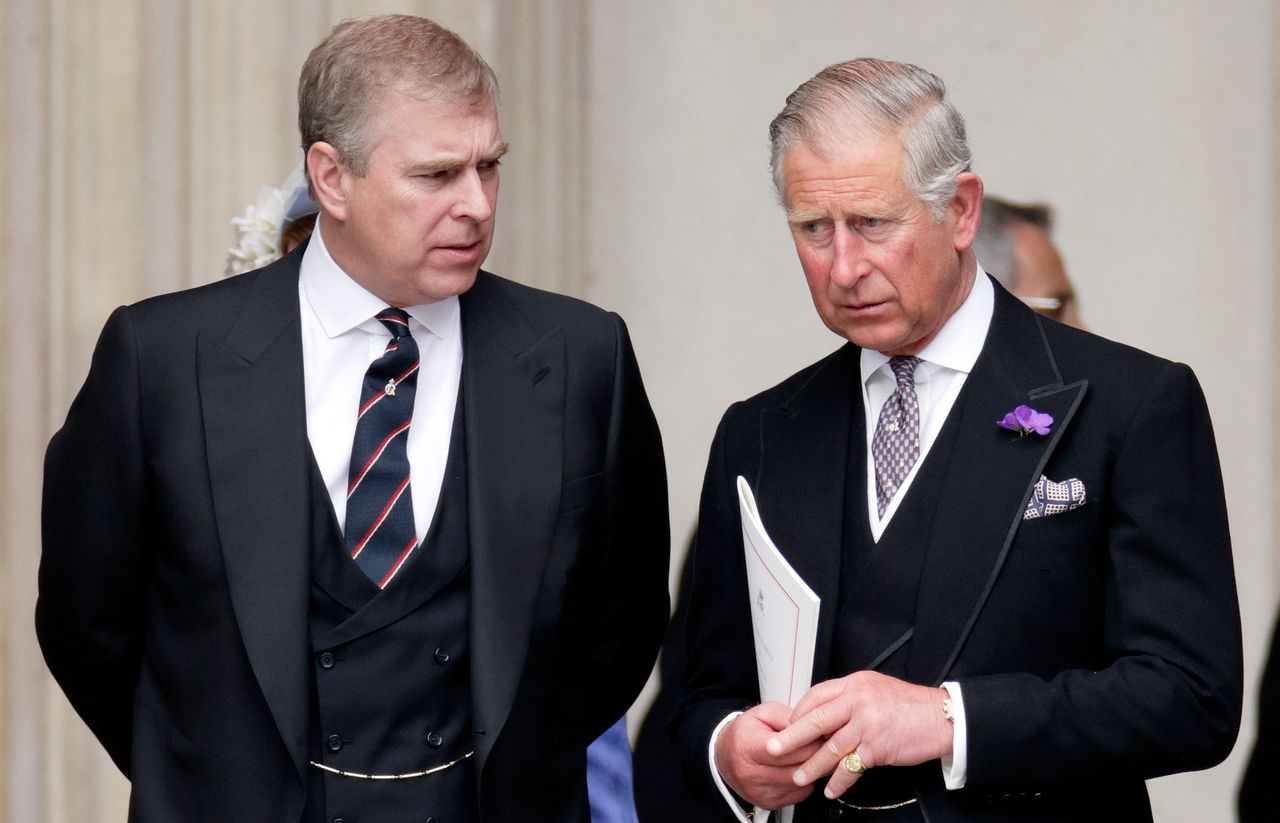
<point>1050,497</point>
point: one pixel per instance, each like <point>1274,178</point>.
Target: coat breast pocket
<point>1052,586</point>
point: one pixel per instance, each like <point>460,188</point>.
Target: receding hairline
<point>846,101</point>
<point>829,140</point>
<point>375,127</point>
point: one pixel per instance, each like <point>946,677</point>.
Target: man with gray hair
<point>369,534</point>
<point>1017,529</point>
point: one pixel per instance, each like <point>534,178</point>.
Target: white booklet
<point>784,618</point>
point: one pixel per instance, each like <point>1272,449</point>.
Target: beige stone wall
<point>131,131</point>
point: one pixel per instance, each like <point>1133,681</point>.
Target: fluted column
<point>131,131</point>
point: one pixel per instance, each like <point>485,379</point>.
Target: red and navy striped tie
<point>379,532</point>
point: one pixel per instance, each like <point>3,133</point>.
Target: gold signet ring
<point>853,764</point>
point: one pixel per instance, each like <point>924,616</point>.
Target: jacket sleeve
<point>631,604</point>
<point>720,668</point>
<point>91,603</point>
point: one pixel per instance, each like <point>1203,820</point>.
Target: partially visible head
<point>296,232</point>
<point>870,97</point>
<point>1014,247</point>
<point>871,164</point>
<point>400,124</point>
<point>345,80</point>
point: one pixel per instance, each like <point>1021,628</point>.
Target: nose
<point>473,200</point>
<point>848,260</point>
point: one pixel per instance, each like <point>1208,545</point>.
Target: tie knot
<point>904,370</point>
<point>396,321</point>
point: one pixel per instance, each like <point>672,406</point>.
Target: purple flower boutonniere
<point>1024,420</point>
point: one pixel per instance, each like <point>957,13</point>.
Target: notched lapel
<point>989,478</point>
<point>514,384</point>
<point>253,402</point>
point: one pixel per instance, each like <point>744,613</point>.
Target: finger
<point>824,692</point>
<point>774,715</point>
<point>813,725</point>
<point>796,757</point>
<point>767,785</point>
<point>828,756</point>
<point>842,779</point>
<point>775,796</point>
<point>792,796</point>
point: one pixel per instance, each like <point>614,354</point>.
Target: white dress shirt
<point>944,365</point>
<point>340,338</point>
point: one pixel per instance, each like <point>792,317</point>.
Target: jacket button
<point>442,656</point>
<point>335,742</point>
<point>434,740</point>
<point>835,812</point>
<point>326,661</point>
<point>431,820</point>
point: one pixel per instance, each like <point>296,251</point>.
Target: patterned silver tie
<point>896,444</point>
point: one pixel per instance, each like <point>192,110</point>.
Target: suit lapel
<point>513,383</point>
<point>990,472</point>
<point>255,428</point>
<point>801,490</point>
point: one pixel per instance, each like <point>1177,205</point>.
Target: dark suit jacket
<point>1094,648</point>
<point>1259,797</point>
<point>174,579</point>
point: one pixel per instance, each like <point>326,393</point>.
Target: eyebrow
<point>447,162</point>
<point>796,216</point>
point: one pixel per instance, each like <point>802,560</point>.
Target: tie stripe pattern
<point>379,532</point>
<point>895,447</point>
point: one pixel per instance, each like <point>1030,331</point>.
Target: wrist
<point>946,721</point>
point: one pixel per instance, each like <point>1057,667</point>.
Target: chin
<point>437,286</point>
<point>863,337</point>
<point>880,343</point>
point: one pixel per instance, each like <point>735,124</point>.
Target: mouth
<point>864,306</point>
<point>464,251</point>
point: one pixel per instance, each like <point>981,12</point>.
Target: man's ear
<point>328,177</point>
<point>966,209</point>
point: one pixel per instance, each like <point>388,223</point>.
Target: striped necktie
<point>379,532</point>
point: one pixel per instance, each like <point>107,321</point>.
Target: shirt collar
<point>958,344</point>
<point>341,304</point>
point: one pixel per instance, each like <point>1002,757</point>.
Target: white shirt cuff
<point>955,766</point>
<point>719,781</point>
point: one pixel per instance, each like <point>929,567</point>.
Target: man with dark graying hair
<point>1017,529</point>
<point>1014,246</point>
<point>368,535</point>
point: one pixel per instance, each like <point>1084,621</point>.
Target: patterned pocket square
<point>1050,497</point>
